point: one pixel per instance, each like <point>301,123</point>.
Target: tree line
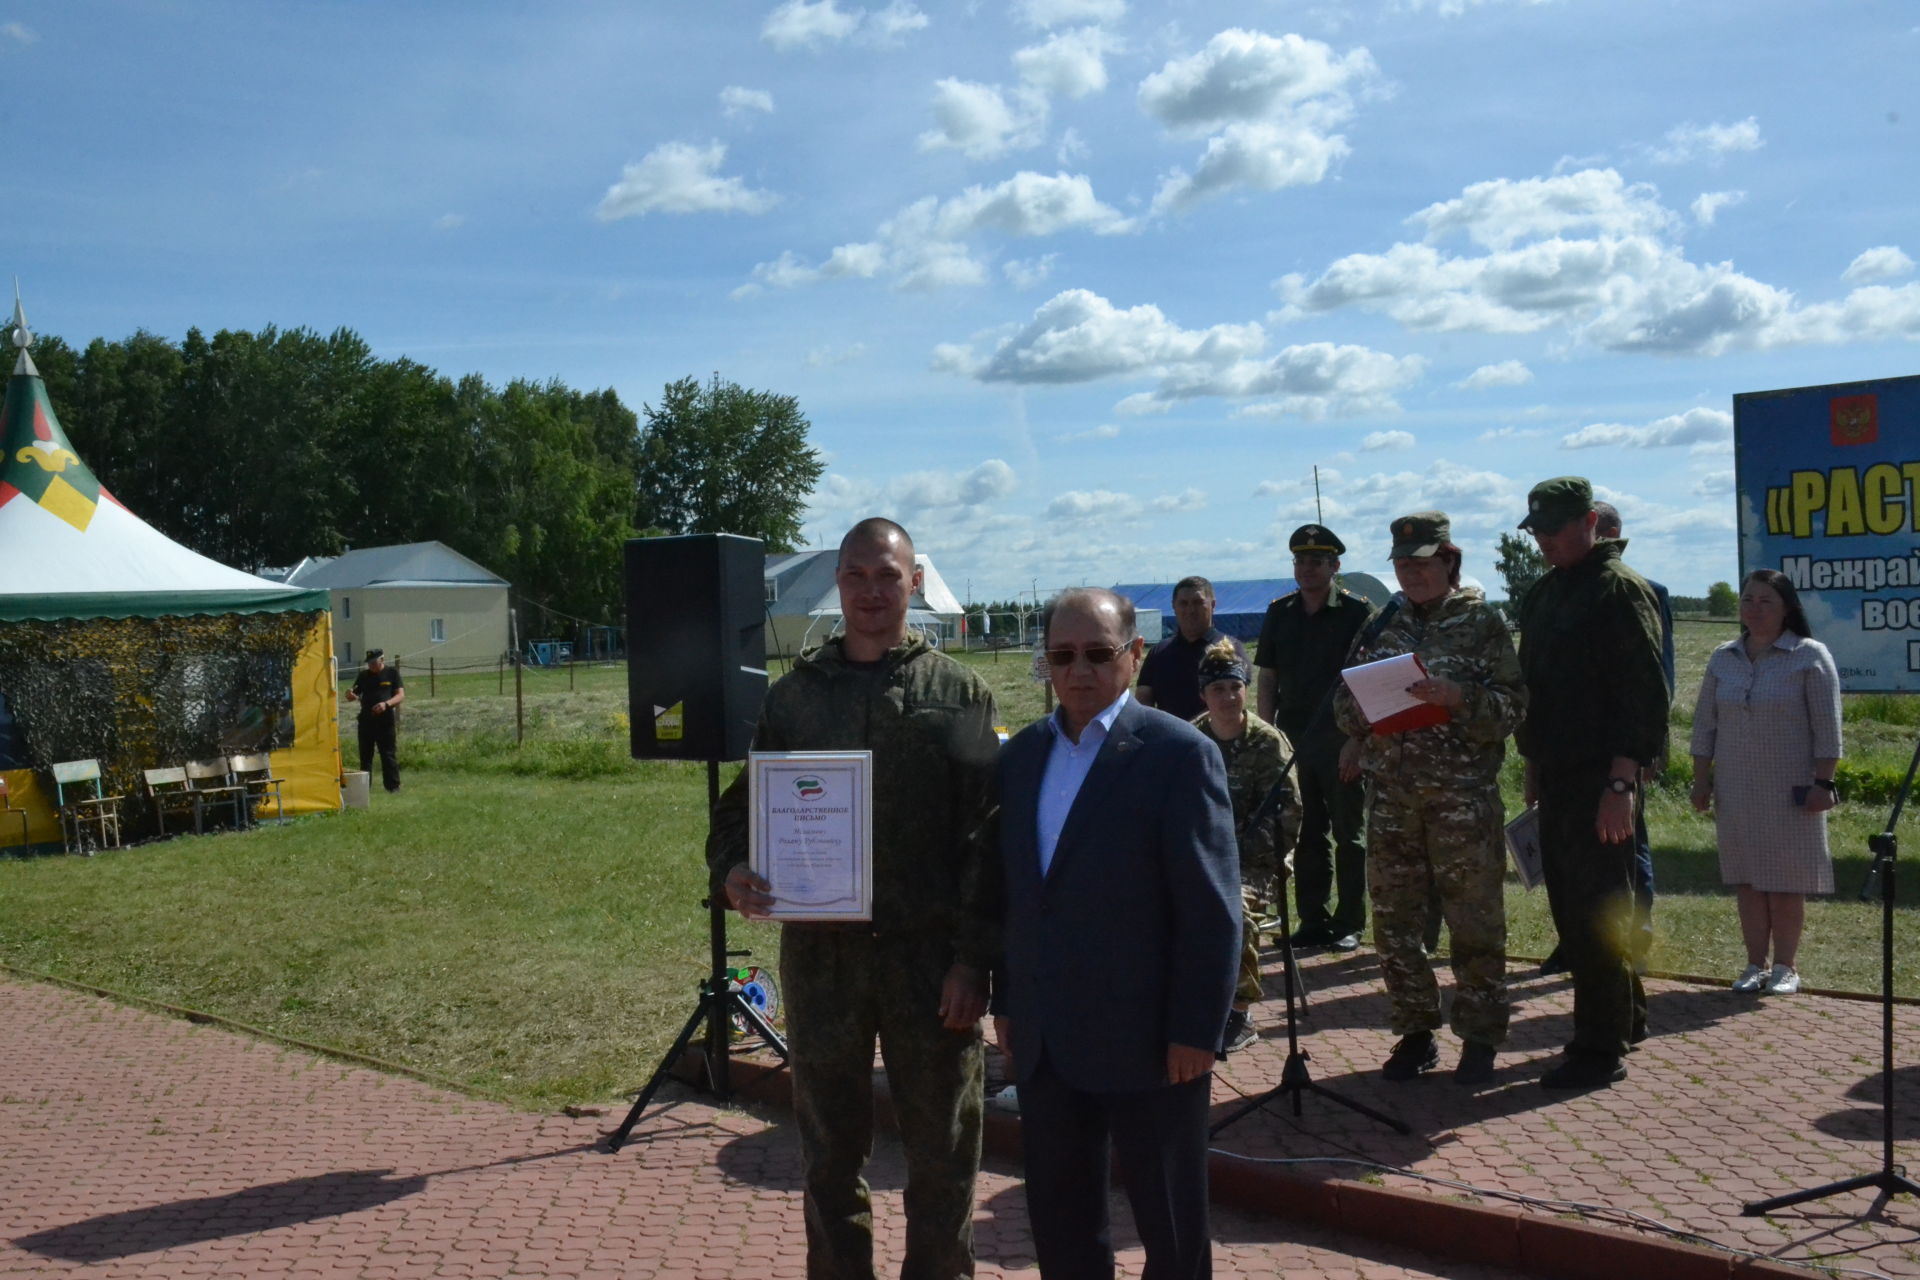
<point>259,449</point>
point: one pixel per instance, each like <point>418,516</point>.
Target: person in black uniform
<point>1303,644</point>
<point>379,691</point>
<point>1170,677</point>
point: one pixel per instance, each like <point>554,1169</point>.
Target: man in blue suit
<point>1122,943</point>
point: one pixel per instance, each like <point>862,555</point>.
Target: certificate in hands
<point>1381,690</point>
<point>812,832</point>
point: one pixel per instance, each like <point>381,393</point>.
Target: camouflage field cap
<point>1554,502</point>
<point>1420,534</point>
<point>1316,539</point>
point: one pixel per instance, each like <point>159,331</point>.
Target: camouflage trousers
<point>841,988</point>
<point>1450,841</point>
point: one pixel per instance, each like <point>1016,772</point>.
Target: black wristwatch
<point>1827,784</point>
<point>1620,786</point>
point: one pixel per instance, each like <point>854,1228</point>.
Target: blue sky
<point>1079,290</point>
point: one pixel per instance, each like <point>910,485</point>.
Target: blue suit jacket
<point>1132,939</point>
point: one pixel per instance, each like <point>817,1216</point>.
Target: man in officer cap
<point>1596,718</point>
<point>1303,644</point>
<point>379,691</point>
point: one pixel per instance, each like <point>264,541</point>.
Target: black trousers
<point>1160,1138</point>
<point>379,732</point>
<point>1331,855</point>
<point>1590,890</point>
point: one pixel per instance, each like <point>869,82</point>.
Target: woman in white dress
<point>1766,740</point>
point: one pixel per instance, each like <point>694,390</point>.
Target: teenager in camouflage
<point>916,975</point>
<point>1434,814</point>
<point>1258,757</point>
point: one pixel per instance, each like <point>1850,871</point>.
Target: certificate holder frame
<point>812,832</point>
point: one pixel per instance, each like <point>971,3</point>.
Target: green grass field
<point>524,919</point>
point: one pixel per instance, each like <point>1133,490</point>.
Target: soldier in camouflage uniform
<point>1434,814</point>
<point>1258,756</point>
<point>916,975</point>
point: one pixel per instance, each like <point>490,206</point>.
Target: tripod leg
<point>619,1136</point>
<point>761,1027</point>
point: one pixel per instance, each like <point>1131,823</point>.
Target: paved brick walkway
<point>1733,1099</point>
<point>135,1145</point>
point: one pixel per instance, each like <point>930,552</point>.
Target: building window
<point>773,590</point>
<point>346,608</point>
<point>437,631</point>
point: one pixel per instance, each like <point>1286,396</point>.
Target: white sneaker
<point>1752,980</point>
<point>1005,1100</point>
<point>1783,981</point>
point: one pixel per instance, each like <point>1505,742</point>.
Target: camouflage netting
<point>140,693</point>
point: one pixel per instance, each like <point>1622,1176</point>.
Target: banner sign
<point>1828,480</point>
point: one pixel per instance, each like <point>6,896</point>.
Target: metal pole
<point>519,701</point>
<point>431,684</point>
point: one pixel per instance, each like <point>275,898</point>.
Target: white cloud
<point>1621,290</point>
<point>1714,484</point>
<point>1708,204</point>
<point>886,26</point>
<point>1690,141</point>
<point>927,490</point>
<point>17,32</point>
<point>1078,336</point>
<point>1500,213</point>
<point>1886,262</point>
<point>980,121</point>
<point>807,24</point>
<point>1493,435</point>
<point>1454,8</point>
<point>1072,147</point>
<point>1508,373</point>
<point>1270,104</point>
<point>1695,426</point>
<point>1105,431</point>
<point>1091,506</point>
<point>737,101</point>
<point>1249,75</point>
<point>678,177</point>
<point>1475,499</point>
<point>1188,499</point>
<point>924,246</point>
<point>1071,64</point>
<point>1391,441</point>
<point>1059,13</point>
<point>1025,273</point>
<point>1259,155</point>
<point>450,222</point>
<point>1271,488</point>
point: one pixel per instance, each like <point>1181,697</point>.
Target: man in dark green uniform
<point>1303,643</point>
<point>1596,717</point>
<point>916,974</point>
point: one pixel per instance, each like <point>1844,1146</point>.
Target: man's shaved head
<point>878,531</point>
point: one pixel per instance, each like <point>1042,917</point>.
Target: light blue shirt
<point>1067,766</point>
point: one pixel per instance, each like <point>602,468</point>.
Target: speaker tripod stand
<point>719,1004</point>
<point>1295,1078</point>
<point>1891,1179</point>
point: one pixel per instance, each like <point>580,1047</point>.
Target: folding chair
<point>6,808</point>
<point>169,792</point>
<point>255,774</point>
<point>81,813</point>
<point>213,787</point>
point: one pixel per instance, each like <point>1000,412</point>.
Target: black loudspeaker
<point>696,645</point>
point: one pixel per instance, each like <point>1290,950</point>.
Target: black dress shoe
<point>1554,963</point>
<point>1310,937</point>
<point>1584,1071</point>
<point>1345,942</point>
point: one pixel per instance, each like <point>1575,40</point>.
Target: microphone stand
<point>1891,1180</point>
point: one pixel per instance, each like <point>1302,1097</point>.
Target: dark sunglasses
<point>1098,656</point>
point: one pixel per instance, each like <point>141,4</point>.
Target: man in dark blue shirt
<point>1170,676</point>
<point>379,691</point>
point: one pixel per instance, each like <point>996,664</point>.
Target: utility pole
<point>1318,516</point>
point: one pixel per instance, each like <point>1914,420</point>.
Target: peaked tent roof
<point>70,550</point>
<point>408,564</point>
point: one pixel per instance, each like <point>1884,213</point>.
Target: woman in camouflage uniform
<point>1434,813</point>
<point>1258,756</point>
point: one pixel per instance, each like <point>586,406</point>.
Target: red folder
<point>1420,717</point>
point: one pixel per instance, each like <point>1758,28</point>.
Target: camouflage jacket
<point>1461,638</point>
<point>929,723</point>
<point>1590,646</point>
<point>1258,758</point>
